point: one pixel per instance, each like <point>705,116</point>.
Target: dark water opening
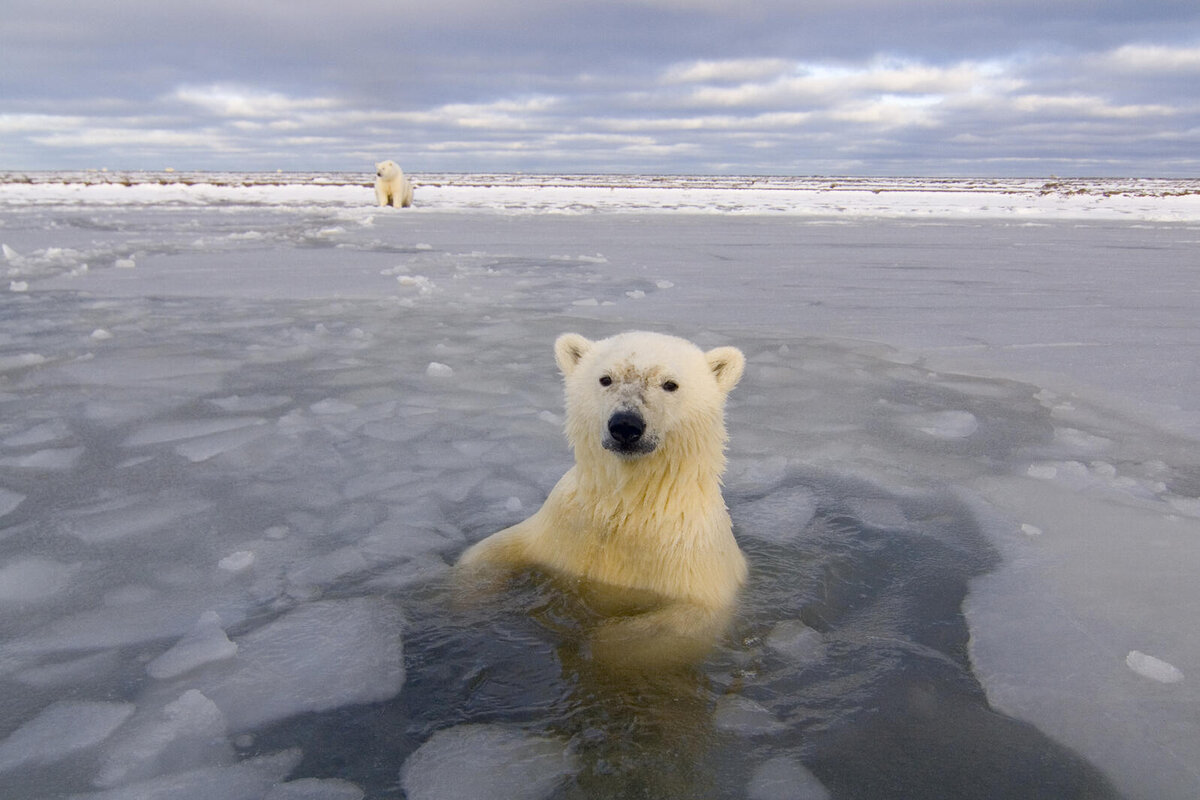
<point>848,660</point>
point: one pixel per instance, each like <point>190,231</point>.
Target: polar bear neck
<point>676,482</point>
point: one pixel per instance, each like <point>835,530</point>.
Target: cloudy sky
<point>850,87</point>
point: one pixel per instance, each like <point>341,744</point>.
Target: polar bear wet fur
<point>392,186</point>
<point>640,517</point>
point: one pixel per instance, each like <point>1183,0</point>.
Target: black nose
<point>626,428</point>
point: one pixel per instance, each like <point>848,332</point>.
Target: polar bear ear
<point>726,364</point>
<point>569,349</point>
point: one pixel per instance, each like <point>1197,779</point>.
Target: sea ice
<point>946,424</point>
<point>47,432</point>
<point>316,657</point>
<point>745,717</point>
<point>206,447</point>
<point>777,517</point>
<point>315,789</point>
<point>185,734</point>
<point>58,731</point>
<point>784,778</point>
<point>483,762</point>
<point>30,579</point>
<point>132,516</point>
<point>205,643</point>
<point>9,500</point>
<point>251,779</point>
<point>55,459</point>
<point>796,641</point>
<point>1153,668</point>
<point>438,370</point>
<point>159,433</point>
<point>237,561</point>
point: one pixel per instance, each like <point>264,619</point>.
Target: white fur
<point>648,524</point>
<point>392,186</point>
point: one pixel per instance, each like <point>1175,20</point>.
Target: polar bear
<point>638,526</point>
<point>392,186</point>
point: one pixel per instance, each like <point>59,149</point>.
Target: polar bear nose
<point>626,428</point>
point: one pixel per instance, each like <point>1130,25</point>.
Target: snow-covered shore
<point>1142,199</point>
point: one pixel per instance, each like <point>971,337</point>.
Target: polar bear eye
<point>605,380</point>
<point>670,386</point>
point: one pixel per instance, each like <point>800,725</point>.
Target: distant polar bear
<point>392,186</point>
<point>638,526</point>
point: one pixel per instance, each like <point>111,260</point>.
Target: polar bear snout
<point>627,434</point>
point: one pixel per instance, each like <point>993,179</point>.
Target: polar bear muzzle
<point>627,435</point>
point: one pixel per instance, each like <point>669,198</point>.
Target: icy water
<point>242,440</point>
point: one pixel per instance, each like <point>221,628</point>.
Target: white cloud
<point>26,123</point>
<point>226,100</point>
<point>726,70</point>
<point>1086,106</point>
<point>1156,58</point>
<point>132,137</point>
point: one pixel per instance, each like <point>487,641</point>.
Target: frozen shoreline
<point>1134,200</point>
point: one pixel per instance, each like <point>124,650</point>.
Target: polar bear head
<point>639,393</point>
<point>388,170</point>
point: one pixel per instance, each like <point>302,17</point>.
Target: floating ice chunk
<point>161,432</point>
<point>238,561</point>
<point>745,717</point>
<point>1081,440</point>
<point>636,294</point>
<point>438,370</point>
<point>250,404</point>
<point>133,516</point>
<point>1189,506</point>
<point>20,361</point>
<point>664,284</point>
<point>29,579</point>
<point>72,672</point>
<point>9,501</point>
<point>1153,668</point>
<point>18,286</point>
<point>248,780</point>
<point>153,616</point>
<point>756,474</point>
<point>125,263</point>
<point>100,335</point>
<point>55,459</point>
<point>784,778</point>
<point>1046,472</point>
<point>796,641</point>
<point>423,285</point>
<point>1030,530</point>
<point>205,643</point>
<point>60,730</point>
<point>317,657</point>
<point>590,301</point>
<point>9,253</point>
<point>186,734</point>
<point>481,762</point>
<point>332,406</point>
<point>946,424</point>
<point>206,447</point>
<point>328,568</point>
<point>779,516</point>
<point>316,789</point>
<point>39,434</point>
